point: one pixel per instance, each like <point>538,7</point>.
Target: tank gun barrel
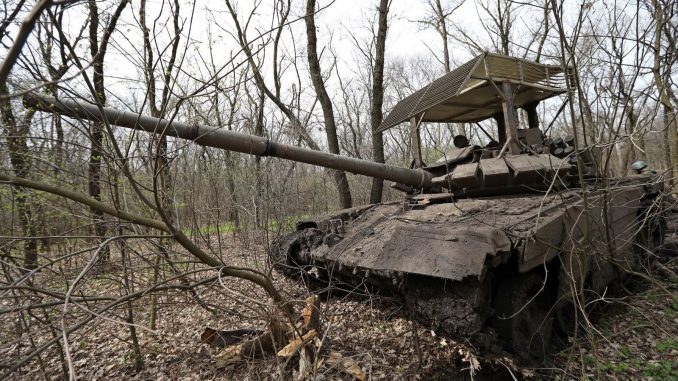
<point>229,140</point>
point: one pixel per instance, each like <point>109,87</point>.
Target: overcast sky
<point>406,37</point>
<point>337,23</point>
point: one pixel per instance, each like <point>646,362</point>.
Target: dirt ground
<point>636,337</point>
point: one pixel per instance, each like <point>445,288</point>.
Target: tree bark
<point>340,179</point>
<point>96,129</point>
<point>443,34</point>
<point>52,88</point>
<point>233,214</point>
<point>162,172</point>
<point>157,110</point>
<point>98,52</point>
<point>258,173</point>
<point>664,89</point>
<point>17,145</point>
<point>376,113</point>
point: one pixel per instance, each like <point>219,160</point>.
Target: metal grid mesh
<point>434,93</point>
<point>478,70</point>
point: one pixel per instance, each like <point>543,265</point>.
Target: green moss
<point>658,370</point>
<point>667,345</point>
<point>662,370</point>
<point>626,351</point>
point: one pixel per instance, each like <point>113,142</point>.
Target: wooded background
<point>79,198</point>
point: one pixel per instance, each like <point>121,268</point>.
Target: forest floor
<point>635,338</point>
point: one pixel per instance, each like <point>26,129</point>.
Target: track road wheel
<point>290,254</point>
<point>522,305</point>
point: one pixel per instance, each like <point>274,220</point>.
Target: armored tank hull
<point>515,263</point>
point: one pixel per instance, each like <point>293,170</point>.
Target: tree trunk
<point>295,122</point>
<point>258,173</point>
<point>667,142</point>
<point>126,264</point>
<point>664,90</point>
<point>17,145</point>
<point>376,113</point>
<point>233,214</point>
<point>442,31</point>
<point>96,129</point>
<point>673,135</point>
<point>161,168</point>
<point>98,52</point>
<point>325,102</point>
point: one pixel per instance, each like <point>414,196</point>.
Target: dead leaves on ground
<point>346,365</point>
<point>302,342</point>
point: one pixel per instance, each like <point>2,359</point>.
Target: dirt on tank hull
<point>470,263</point>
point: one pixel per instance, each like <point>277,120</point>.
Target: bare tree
<point>500,26</point>
<point>232,98</point>
<point>437,18</point>
<point>17,129</point>
<point>96,132</point>
<point>158,106</point>
<point>257,105</point>
<point>325,102</point>
<point>665,58</point>
<point>274,95</point>
<point>55,71</point>
<point>377,100</point>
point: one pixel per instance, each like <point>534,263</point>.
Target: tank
<point>496,243</point>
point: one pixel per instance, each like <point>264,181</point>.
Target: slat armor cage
<point>469,93</point>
